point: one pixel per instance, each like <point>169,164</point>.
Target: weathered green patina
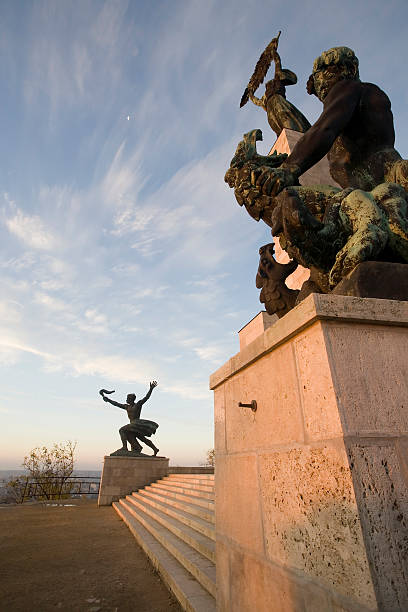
<point>327,229</point>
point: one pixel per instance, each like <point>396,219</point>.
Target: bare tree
<point>48,472</point>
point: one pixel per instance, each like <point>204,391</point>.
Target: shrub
<point>48,471</point>
<point>210,458</point>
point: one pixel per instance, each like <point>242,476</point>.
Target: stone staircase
<point>173,521</point>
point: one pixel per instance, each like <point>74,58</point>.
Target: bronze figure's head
<point>336,64</point>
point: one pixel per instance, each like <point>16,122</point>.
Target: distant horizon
<point>95,469</point>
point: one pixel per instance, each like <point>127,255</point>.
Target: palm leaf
<point>261,69</point>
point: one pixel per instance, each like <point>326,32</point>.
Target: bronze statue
<point>138,428</point>
<point>327,229</point>
<point>281,113</point>
<point>271,278</point>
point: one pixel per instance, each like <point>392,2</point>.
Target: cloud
<point>123,181</point>
<point>49,301</point>
<point>188,391</point>
<point>212,353</point>
<point>27,260</point>
<point>70,63</point>
<point>147,247</point>
<point>31,230</point>
<point>126,269</point>
<point>51,285</point>
<point>183,220</point>
<point>11,347</point>
<point>10,311</point>
<point>95,322</point>
<point>96,317</point>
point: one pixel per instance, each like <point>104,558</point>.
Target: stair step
<point>196,563</point>
<point>198,541</point>
<point>193,597</point>
<point>168,491</point>
<point>200,525</point>
<point>181,489</point>
<point>191,478</point>
<point>189,484</point>
<point>197,479</point>
<point>192,508</point>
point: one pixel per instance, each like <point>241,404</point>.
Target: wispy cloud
<point>49,301</point>
<point>213,353</point>
<point>123,181</point>
<point>31,230</point>
<point>70,66</point>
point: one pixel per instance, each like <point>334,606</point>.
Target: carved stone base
<point>312,488</point>
<point>376,279</point>
<point>124,474</point>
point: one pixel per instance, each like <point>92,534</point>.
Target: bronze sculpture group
<point>137,428</point>
<point>328,229</point>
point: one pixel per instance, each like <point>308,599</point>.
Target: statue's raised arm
<point>281,113</point>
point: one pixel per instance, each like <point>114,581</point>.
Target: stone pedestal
<point>123,475</point>
<point>255,327</point>
<point>311,489</point>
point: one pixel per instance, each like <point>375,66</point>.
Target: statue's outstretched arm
<point>339,106</point>
<point>106,399</point>
<point>153,384</point>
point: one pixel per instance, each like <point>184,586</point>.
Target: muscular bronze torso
<point>361,152</point>
<point>356,130</point>
<point>134,410</point>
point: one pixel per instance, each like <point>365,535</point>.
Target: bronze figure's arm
<point>153,384</point>
<point>258,101</point>
<point>276,58</point>
<point>106,399</point>
<point>339,106</point>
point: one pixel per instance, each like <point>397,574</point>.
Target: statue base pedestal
<point>376,279</point>
<point>312,489</point>
<point>123,475</point>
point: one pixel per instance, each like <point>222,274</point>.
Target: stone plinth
<point>255,327</point>
<point>380,279</point>
<point>311,489</point>
<point>123,475</point>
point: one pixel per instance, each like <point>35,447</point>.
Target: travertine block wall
<point>255,327</point>
<point>311,490</point>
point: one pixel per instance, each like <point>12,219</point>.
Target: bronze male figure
<point>137,429</point>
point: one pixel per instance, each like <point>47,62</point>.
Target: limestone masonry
<point>311,489</point>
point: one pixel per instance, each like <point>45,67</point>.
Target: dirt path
<point>75,558</point>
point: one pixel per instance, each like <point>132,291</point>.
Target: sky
<point>124,257</point>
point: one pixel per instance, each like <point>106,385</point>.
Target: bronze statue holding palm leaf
<point>281,113</point>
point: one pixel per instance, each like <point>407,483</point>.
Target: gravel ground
<point>74,558</point>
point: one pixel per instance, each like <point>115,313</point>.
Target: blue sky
<point>124,257</point>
